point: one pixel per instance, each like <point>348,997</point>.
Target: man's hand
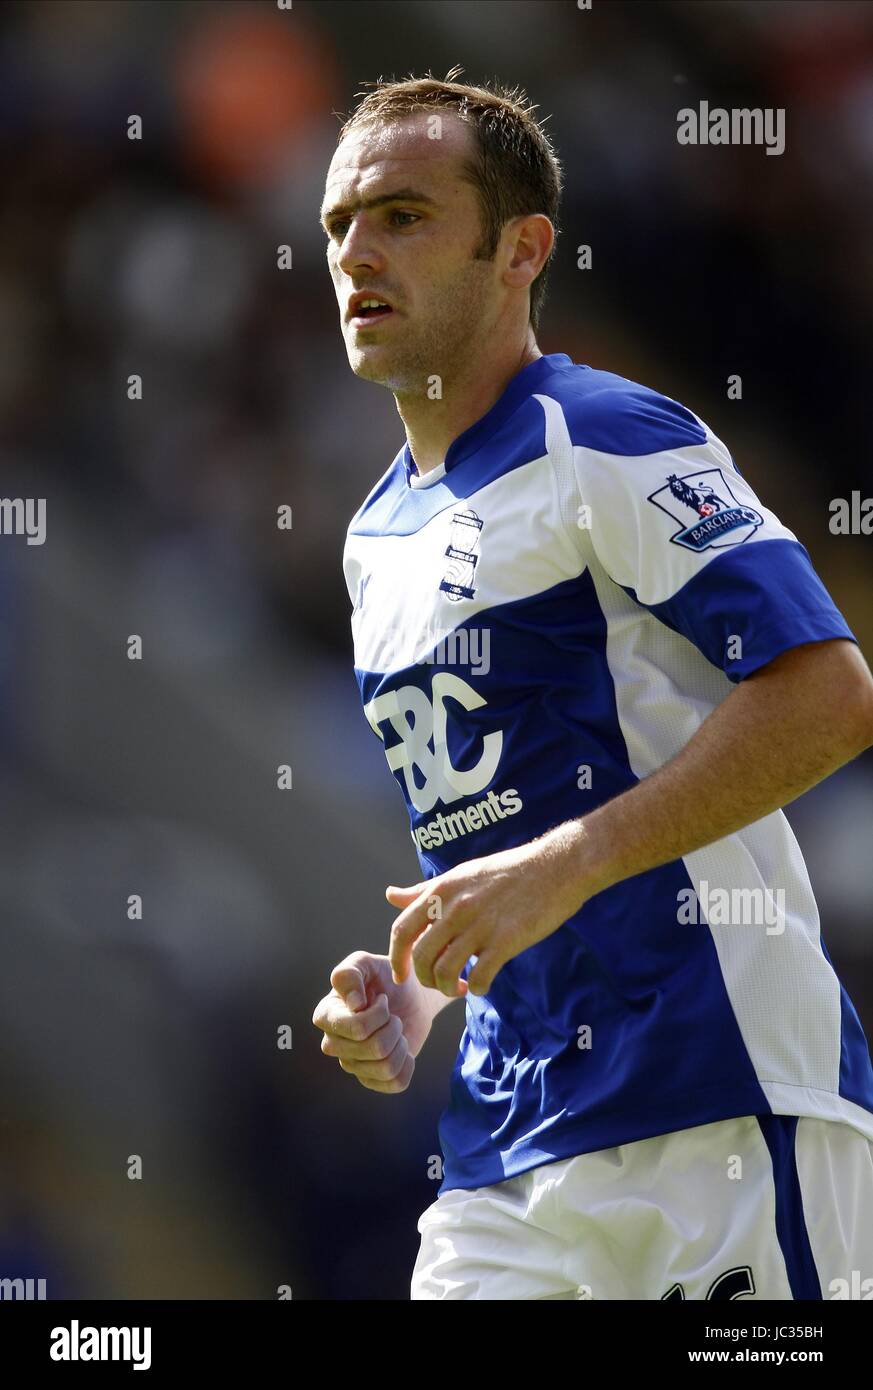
<point>374,1027</point>
<point>778,733</point>
<point>493,908</point>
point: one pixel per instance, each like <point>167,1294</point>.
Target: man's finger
<point>481,977</point>
<point>436,937</point>
<point>402,897</point>
<point>446,968</point>
<point>407,928</point>
<point>359,1024</point>
<point>375,1048</point>
<point>384,1068</point>
<point>443,948</point>
<point>348,981</point>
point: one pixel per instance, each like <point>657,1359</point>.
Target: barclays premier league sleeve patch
<point>708,513</point>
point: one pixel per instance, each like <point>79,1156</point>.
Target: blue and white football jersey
<point>539,623</point>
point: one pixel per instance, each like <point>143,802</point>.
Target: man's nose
<point>360,249</point>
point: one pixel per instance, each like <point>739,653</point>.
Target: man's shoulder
<point>380,496</point>
<point>614,415</point>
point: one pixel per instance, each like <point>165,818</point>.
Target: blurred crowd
<point>156,256</point>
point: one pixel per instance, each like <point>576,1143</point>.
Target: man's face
<point>416,250</point>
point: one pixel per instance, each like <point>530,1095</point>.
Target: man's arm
<point>437,1001</point>
<point>783,729</point>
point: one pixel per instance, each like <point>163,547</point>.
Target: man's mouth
<point>369,312</point>
<point>368,309</point>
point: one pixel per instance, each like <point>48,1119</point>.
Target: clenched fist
<point>374,1027</point>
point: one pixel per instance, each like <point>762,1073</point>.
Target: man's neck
<point>433,425</point>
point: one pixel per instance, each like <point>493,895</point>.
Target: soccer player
<point>599,665</point>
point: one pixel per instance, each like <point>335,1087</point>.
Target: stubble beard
<point>446,345</point>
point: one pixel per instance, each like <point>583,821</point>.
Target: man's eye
<point>337,228</point>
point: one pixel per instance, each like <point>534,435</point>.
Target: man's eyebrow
<point>399,195</point>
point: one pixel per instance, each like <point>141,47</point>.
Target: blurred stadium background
<point>158,257</point>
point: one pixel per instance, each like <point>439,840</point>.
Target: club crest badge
<point>457,582</point>
<point>719,519</point>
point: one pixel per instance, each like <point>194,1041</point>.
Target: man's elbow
<point>865,723</point>
<point>853,699</point>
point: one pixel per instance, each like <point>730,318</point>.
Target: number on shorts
<point>734,1283</point>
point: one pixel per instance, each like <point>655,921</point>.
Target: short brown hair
<point>515,170</point>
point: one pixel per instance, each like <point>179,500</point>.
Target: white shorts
<point>762,1207</point>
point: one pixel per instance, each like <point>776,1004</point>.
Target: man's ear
<point>531,240</point>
